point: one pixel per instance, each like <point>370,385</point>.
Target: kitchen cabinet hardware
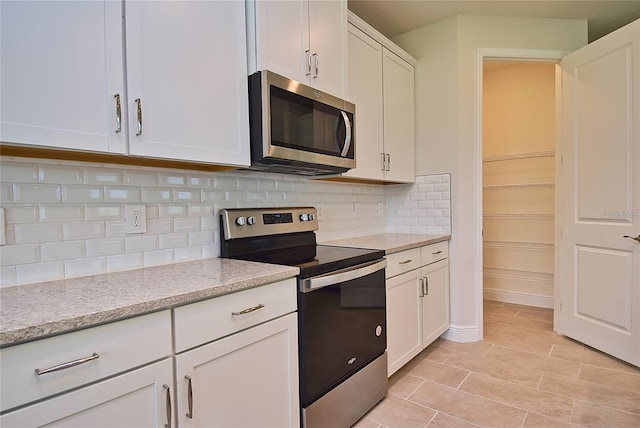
<point>248,310</point>
<point>384,162</point>
<point>435,253</point>
<point>67,365</point>
<point>421,290</point>
<point>388,162</point>
<point>426,285</point>
<point>404,262</point>
<point>168,405</point>
<point>308,54</point>
<point>139,115</point>
<point>189,397</point>
<point>118,113</point>
<point>317,64</point>
<point>637,238</point>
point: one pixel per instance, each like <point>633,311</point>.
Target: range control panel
<point>250,222</point>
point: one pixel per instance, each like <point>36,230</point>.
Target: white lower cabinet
<point>417,301</point>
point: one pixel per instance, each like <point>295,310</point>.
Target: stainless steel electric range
<point>341,309</point>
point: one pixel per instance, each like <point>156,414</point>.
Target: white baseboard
<point>462,334</point>
<point>519,298</point>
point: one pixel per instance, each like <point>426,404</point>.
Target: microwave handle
<point>347,137</point>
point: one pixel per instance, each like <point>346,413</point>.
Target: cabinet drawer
<point>434,252</point>
<point>211,319</point>
<point>403,261</point>
<point>121,345</point>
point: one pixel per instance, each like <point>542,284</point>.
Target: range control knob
<point>311,217</point>
<point>240,221</point>
<point>251,220</point>
<point>304,217</point>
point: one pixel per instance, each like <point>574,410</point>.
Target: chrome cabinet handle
<point>189,397</point>
<point>118,113</point>
<point>67,365</point>
<point>248,310</point>
<point>421,290</point>
<point>426,285</point>
<point>384,162</point>
<point>637,238</point>
<point>388,162</point>
<point>139,109</point>
<point>308,53</point>
<point>437,252</point>
<point>347,136</point>
<point>168,404</point>
<point>317,62</point>
<point>404,262</point>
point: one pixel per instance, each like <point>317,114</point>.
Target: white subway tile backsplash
<point>81,194</point>
<point>73,219</point>
<point>38,232</point>
<point>156,195</point>
<point>85,267</point>
<point>104,247</point>
<point>19,254</point>
<point>104,212</point>
<point>84,230</point>
<point>122,194</point>
<point>103,176</point>
<point>51,251</point>
<point>39,272</point>
<point>34,193</point>
<point>7,276</point>
<point>60,174</point>
<point>18,172</point>
<point>21,214</point>
<point>124,262</point>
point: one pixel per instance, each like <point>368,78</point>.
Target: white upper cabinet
<point>304,40</point>
<point>63,78</point>
<point>62,74</point>
<point>187,83</point>
<point>381,84</point>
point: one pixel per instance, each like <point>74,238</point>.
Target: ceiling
<point>393,17</point>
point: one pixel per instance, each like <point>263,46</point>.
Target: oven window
<point>342,328</point>
<point>300,123</point>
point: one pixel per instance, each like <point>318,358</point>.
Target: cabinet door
<point>328,42</point>
<point>278,37</point>
<point>435,303</point>
<point>246,379</point>
<point>61,67</point>
<point>365,91</point>
<point>399,120</point>
<point>135,399</point>
<point>186,64</point>
<point>403,319</point>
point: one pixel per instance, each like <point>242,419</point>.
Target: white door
<point>187,80</point>
<point>598,280</point>
<point>248,379</point>
<point>61,70</point>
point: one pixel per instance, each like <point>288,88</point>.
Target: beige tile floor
<point>521,375</point>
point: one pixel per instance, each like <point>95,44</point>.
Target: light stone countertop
<point>33,311</point>
<point>390,242</point>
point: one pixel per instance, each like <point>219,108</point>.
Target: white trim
<point>526,299</point>
<point>462,334</point>
<point>481,55</point>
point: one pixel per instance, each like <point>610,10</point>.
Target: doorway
<point>518,181</point>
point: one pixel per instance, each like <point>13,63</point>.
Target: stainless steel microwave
<point>297,129</point>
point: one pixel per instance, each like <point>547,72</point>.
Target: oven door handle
<point>343,275</point>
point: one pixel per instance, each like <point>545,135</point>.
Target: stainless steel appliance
<point>341,309</point>
<point>298,129</point>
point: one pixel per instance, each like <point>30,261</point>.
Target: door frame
<point>536,55</point>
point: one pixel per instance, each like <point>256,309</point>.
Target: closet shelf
<point>512,273</point>
<point>518,215</point>
<point>527,245</point>
<point>548,154</point>
<point>515,186</point>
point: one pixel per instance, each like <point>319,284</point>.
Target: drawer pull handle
<point>437,252</point>
<point>405,262</point>
<point>248,310</point>
<point>189,398</point>
<point>168,403</point>
<point>67,365</point>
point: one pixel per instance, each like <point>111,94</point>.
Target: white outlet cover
<point>136,218</point>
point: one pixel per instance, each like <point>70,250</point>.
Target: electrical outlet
<point>380,209</point>
<point>356,210</point>
<point>136,218</point>
<point>3,236</point>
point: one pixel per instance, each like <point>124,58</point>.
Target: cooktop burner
<point>330,259</point>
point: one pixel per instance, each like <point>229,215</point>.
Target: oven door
<point>342,326</point>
